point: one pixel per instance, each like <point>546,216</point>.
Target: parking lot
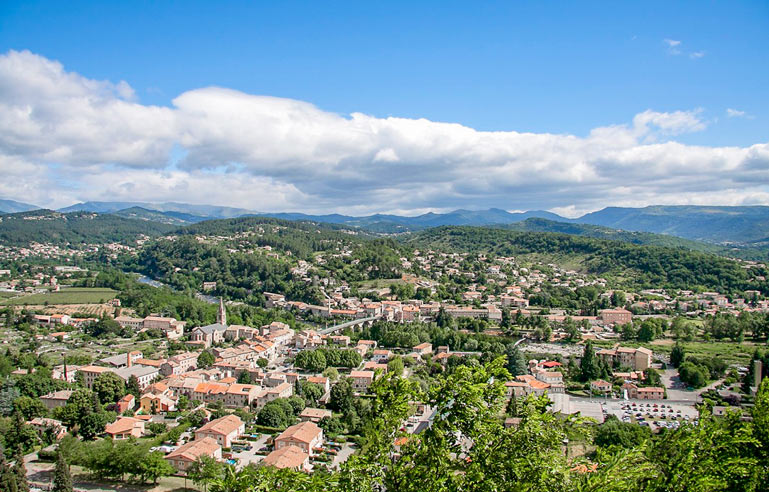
<point>259,449</point>
<point>248,456</point>
<point>654,414</point>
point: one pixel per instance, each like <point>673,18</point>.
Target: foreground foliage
<point>467,448</point>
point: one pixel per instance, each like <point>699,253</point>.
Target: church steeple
<point>221,316</point>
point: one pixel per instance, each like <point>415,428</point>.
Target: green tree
<point>19,436</point>
<point>342,396</point>
<point>692,374</point>
<point>331,373</point>
<point>29,408</point>
<point>7,476</point>
<point>395,366</point>
<point>133,388</point>
<point>311,392</point>
<point>625,434</point>
<point>677,355</point>
<point>516,362</point>
<point>205,471</point>
<point>647,332</point>
<point>245,378</point>
<point>589,368</point>
<point>262,362</point>
<point>153,466</point>
<point>20,470</point>
<point>311,360</point>
<point>62,480</point>
<point>206,359</point>
<point>109,387</point>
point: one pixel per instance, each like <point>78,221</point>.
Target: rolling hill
<point>47,226</point>
<point>637,265</point>
<point>171,218</point>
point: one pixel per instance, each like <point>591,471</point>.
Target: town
<point>294,392</point>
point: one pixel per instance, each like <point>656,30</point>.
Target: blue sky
<point>540,67</point>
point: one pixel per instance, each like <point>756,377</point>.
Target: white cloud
<point>66,138</point>
<point>675,48</point>
<point>736,113</point>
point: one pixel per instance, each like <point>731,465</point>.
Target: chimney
<point>128,359</point>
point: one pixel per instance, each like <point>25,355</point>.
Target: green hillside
<point>46,226</point>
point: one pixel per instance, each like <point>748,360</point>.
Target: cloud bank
<point>66,138</point>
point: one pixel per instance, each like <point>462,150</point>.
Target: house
<point>292,457</point>
<point>322,381</point>
<point>361,380</point>
<point>314,414</point>
<point>342,340</point>
<point>189,453</point>
<point>157,398</point>
<point>128,402</point>
<point>144,374</point>
<point>423,348</point>
<point>223,430</point>
<point>651,393</point>
<point>179,363</point>
<point>90,373</point>
<point>172,328</point>
<point>124,428</point>
<point>56,399</point>
<point>550,377</point>
<point>283,390</point>
<point>43,425</point>
<point>381,356</point>
<point>600,386</point>
<point>615,316</point>
<point>645,393</point>
<point>307,436</point>
<point>241,395</point>
<point>128,322</point>
<point>637,359</point>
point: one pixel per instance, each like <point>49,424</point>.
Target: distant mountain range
<point>713,224</point>
<point>204,211</point>
<point>11,207</point>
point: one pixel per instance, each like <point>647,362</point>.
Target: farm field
<point>73,295</point>
<point>93,310</point>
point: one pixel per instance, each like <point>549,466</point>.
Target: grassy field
<point>381,283</point>
<point>72,295</point>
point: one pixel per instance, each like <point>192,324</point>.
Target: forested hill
<point>634,237</point>
<point>46,226</point>
<point>640,265</point>
<point>301,238</point>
